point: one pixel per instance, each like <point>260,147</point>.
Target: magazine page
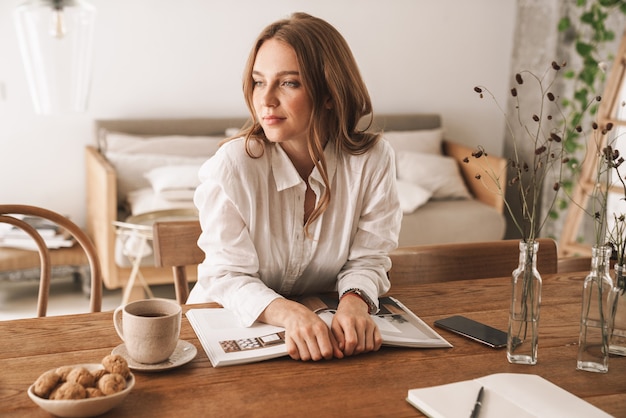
<point>397,324</point>
<point>401,327</point>
<point>227,342</point>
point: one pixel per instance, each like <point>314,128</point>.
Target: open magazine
<point>227,342</point>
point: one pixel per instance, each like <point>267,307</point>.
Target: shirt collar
<point>286,175</point>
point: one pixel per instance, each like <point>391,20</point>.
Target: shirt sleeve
<point>230,273</point>
<point>378,228</point>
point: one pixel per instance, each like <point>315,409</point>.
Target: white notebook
<point>508,395</point>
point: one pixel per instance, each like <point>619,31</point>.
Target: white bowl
<point>89,407</point>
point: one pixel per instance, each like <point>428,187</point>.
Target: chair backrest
<point>175,245</point>
<point>462,261</point>
<point>574,264</point>
<point>7,213</point>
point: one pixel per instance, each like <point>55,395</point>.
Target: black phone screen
<point>474,330</point>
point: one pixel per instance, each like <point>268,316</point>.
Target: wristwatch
<point>371,306</point>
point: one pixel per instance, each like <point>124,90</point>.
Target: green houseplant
<point>588,28</point>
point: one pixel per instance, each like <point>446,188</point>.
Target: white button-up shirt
<point>252,216</point>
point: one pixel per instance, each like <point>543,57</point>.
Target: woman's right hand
<point>307,337</point>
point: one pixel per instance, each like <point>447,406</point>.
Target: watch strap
<point>371,306</point>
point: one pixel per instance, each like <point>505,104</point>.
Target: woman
<point>303,202</point>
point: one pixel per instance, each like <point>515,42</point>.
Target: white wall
<point>184,58</point>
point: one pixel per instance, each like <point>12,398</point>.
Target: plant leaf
<point>583,48</point>
<point>564,24</point>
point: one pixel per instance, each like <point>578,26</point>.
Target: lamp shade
<point>56,43</point>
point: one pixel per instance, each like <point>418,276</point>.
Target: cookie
<point>69,390</point>
<point>46,383</point>
<point>63,371</point>
<point>115,363</point>
<point>111,383</point>
<point>82,376</point>
<point>94,392</point>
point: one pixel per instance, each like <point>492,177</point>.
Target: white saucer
<point>183,354</point>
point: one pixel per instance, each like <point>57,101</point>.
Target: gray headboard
<point>195,126</point>
<point>406,121</point>
<point>217,126</point>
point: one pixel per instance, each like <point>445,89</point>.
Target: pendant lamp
<point>56,43</point>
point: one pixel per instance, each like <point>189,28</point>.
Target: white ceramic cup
<point>149,328</point>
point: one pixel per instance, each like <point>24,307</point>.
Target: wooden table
<point>374,384</point>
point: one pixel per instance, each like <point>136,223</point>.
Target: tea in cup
<point>149,328</point>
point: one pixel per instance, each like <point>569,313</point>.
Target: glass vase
<point>595,318</point>
<point>525,303</point>
<point>617,340</point>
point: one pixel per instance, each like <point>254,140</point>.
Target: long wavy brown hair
<point>329,73</point>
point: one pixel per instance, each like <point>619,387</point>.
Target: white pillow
<point>131,168</point>
<point>232,132</point>
<point>189,146</point>
<point>145,200</point>
<point>426,141</point>
<point>411,196</point>
<point>437,173</point>
<point>177,195</point>
<point>174,182</point>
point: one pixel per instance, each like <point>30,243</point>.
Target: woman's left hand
<point>353,327</point>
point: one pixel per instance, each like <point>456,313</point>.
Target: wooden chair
<point>461,261</point>
<point>573,264</point>
<point>175,245</point>
<point>7,213</point>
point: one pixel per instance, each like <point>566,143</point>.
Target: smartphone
<point>474,330</point>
